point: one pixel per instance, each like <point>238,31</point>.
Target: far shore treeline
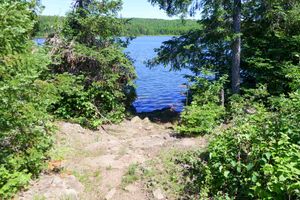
<point>134,26</point>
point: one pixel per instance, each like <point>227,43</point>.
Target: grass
<point>59,153</point>
<point>61,150</point>
<point>89,179</point>
<point>131,176</point>
<point>163,172</point>
<point>39,197</point>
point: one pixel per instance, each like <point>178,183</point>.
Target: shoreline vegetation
<point>238,137</point>
<point>133,26</point>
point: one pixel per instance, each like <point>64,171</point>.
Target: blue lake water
<point>158,87</point>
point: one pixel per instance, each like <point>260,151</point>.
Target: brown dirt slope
<point>92,164</point>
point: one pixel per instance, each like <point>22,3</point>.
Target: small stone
<point>169,125</point>
<point>146,120</point>
<point>158,194</point>
<point>131,188</point>
<point>136,119</point>
<point>251,111</point>
<point>110,194</point>
<point>166,137</point>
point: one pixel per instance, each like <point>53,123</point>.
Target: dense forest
<point>250,107</point>
<point>245,93</point>
<point>133,27</point>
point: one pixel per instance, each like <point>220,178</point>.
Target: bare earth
<point>93,163</point>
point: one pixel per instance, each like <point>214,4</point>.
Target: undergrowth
<point>256,157</point>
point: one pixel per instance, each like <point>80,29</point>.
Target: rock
<point>110,194</point>
<point>54,187</point>
<point>131,188</point>
<point>250,111</point>
<point>136,119</point>
<point>158,194</point>
<point>169,125</point>
<point>147,120</point>
<point>148,128</point>
<point>71,194</point>
<point>167,137</point>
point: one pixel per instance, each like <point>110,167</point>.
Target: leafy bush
<point>205,111</point>
<point>94,77</point>
<point>25,131</point>
<point>73,102</point>
<point>257,157</point>
<point>200,119</point>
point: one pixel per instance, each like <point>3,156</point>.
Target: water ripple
<point>157,88</point>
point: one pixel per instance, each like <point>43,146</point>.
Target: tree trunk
<point>236,47</point>
<point>222,98</point>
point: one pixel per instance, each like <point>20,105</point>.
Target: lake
<point>156,88</point>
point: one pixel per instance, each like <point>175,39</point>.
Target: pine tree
<point>238,38</point>
<point>217,18</point>
<point>88,53</point>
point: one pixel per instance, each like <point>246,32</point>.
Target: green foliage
<point>139,26</point>
<point>269,28</point>
<point>48,25</point>
<point>164,172</point>
<point>82,24</point>
<point>25,131</point>
<point>131,175</point>
<point>133,27</point>
<point>266,59</point>
<point>257,157</point>
<point>205,111</point>
<point>73,103</point>
<point>20,23</point>
<point>200,119</point>
<point>93,76</point>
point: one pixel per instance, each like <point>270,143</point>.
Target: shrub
<point>257,157</point>
<point>206,110</point>
<point>200,119</point>
<point>73,102</point>
<point>97,75</point>
<point>25,131</point>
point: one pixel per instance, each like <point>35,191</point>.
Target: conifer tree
<point>238,38</point>
<point>89,49</point>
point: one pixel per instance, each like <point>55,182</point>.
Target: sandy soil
<point>91,164</point>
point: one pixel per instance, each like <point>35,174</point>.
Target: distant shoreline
<point>135,26</point>
<point>44,37</point>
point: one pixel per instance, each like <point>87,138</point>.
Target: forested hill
<point>139,26</point>
<point>135,26</point>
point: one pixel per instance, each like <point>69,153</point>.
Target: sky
<point>131,9</point>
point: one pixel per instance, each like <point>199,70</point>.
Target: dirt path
<point>94,163</point>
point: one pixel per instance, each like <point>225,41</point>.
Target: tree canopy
<point>254,153</point>
<point>211,48</point>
